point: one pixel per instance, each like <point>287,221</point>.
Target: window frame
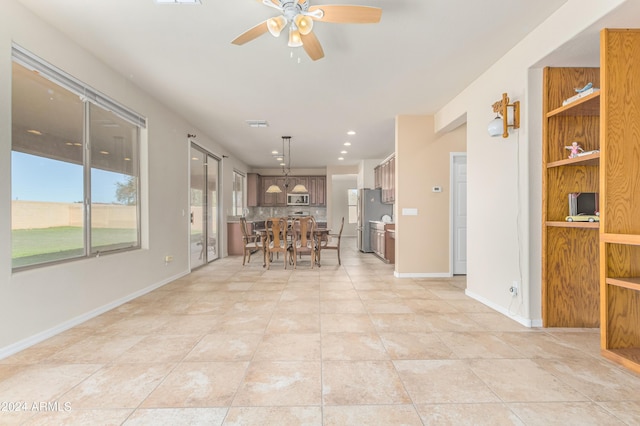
<point>89,98</point>
<point>234,207</point>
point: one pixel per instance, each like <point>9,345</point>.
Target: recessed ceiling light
<point>351,132</point>
<point>127,159</point>
<point>274,152</point>
<point>77,144</point>
<point>282,164</point>
<point>35,132</point>
<point>104,152</point>
<point>279,159</point>
<point>347,144</point>
<point>69,143</point>
<point>343,152</point>
<point>340,158</point>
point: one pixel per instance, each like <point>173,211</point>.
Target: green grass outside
<point>33,246</point>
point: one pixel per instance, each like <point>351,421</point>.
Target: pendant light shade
<point>286,171</point>
<point>298,189</point>
<point>274,189</point>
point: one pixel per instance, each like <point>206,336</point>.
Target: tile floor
<point>346,345</point>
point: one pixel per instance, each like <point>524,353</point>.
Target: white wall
<point>340,204</point>
<point>37,303</point>
<point>504,193</point>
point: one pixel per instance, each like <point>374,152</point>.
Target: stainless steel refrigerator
<point>369,208</point>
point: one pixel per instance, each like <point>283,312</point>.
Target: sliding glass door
<point>205,169</point>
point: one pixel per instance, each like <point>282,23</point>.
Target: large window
<point>238,194</point>
<point>74,168</point>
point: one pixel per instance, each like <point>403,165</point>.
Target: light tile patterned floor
<point>346,345</point>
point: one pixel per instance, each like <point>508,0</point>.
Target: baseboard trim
<point>422,274</point>
<point>520,319</point>
<point>66,325</point>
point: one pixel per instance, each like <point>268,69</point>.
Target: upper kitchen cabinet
<point>316,185</point>
<point>317,191</point>
<point>253,189</point>
<point>384,179</point>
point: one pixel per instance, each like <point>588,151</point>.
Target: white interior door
<point>459,213</point>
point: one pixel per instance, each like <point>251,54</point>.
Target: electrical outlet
<point>513,290</point>
<point>168,258</point>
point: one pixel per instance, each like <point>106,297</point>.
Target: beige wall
<point>422,162</point>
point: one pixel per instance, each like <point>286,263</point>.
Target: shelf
<point>585,160</point>
<point>629,239</point>
<point>589,105</point>
<point>564,224</point>
<point>630,283</point>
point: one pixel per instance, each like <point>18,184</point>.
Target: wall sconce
<point>507,115</point>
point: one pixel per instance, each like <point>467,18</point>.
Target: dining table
<point>320,233</point>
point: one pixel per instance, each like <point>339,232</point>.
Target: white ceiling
<point>420,55</point>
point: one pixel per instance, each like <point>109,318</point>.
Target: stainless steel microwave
<point>297,199</point>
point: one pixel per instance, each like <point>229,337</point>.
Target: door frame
<point>207,153</point>
<point>452,196</point>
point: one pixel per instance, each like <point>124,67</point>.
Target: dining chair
<point>304,239</point>
<point>277,242</point>
<point>332,243</point>
<point>250,242</point>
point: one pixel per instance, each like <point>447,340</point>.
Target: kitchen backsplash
<point>262,213</point>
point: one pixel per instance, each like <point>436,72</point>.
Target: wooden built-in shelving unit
<point>570,290</point>
<point>620,198</point>
<point>608,121</point>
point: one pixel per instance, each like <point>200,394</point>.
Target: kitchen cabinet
<point>390,243</point>
<point>377,235</point>
<point>235,245</point>
<point>317,191</point>
<point>384,179</point>
<point>274,199</point>
<point>316,185</point>
<point>253,189</point>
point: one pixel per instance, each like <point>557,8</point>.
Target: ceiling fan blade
<point>251,34</point>
<point>272,3</point>
<point>312,46</point>
<point>344,14</point>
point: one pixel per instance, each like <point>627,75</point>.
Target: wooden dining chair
<point>332,242</point>
<point>251,243</point>
<point>304,239</point>
<point>277,241</point>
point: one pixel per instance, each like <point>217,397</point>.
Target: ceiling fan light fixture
<point>276,25</point>
<point>295,40</point>
<point>304,24</point>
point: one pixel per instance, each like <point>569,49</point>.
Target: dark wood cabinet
<point>253,189</point>
<point>316,185</point>
<point>384,179</point>
<point>317,191</point>
<point>235,245</point>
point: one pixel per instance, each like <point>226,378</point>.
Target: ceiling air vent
<point>257,123</point>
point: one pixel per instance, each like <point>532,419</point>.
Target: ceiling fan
<point>300,16</point>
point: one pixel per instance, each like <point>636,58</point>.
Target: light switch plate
<point>409,212</point>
